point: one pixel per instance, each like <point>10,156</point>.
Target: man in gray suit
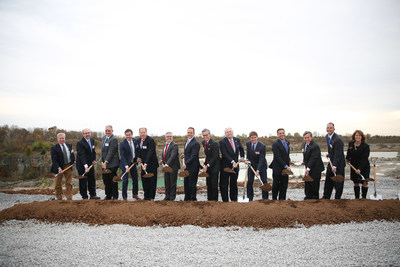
<point>170,158</point>
<point>110,159</point>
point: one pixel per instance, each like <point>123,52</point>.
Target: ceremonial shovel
<point>69,167</point>
<point>147,175</point>
<point>337,178</point>
<point>264,187</point>
<point>227,169</point>
<point>308,178</point>
<point>362,177</point>
<point>118,179</point>
<point>203,174</point>
<point>83,175</point>
<point>244,199</point>
<point>183,173</point>
<point>375,196</point>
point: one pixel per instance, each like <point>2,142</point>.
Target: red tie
<point>165,152</point>
<point>230,140</point>
<point>206,145</point>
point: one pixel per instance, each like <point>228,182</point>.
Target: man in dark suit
<point>256,155</point>
<point>191,155</point>
<point>281,161</point>
<point>110,159</point>
<point>230,148</point>
<point>128,151</point>
<point>86,156</point>
<point>148,158</point>
<point>170,158</point>
<point>336,155</point>
<point>62,156</point>
<point>313,164</point>
<point>211,165</point>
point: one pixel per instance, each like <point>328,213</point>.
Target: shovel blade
<point>229,170</point>
<point>266,187</point>
<point>308,178</point>
<point>203,174</point>
<point>148,175</point>
<point>80,177</point>
<point>377,197</point>
<point>117,179</point>
<point>183,174</point>
<point>106,171</point>
<point>167,169</point>
<point>338,178</point>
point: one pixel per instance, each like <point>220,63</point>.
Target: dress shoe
<point>94,197</point>
<point>136,197</point>
<point>125,199</point>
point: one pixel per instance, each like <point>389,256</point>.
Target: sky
<point>170,65</point>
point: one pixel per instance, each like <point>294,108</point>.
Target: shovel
<point>264,187</point>
<point>308,178</point>
<point>83,175</point>
<point>69,167</point>
<point>230,170</point>
<point>375,196</point>
<point>244,199</point>
<point>119,179</point>
<point>166,169</point>
<point>337,178</point>
<point>147,175</point>
<point>183,173</point>
<point>286,172</point>
<point>362,177</point>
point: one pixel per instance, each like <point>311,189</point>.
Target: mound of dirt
<point>264,214</point>
<point>46,191</point>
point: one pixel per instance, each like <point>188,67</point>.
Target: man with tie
<point>336,155</point>
<point>148,158</point>
<point>170,158</point>
<point>128,150</point>
<point>86,156</point>
<point>110,159</point>
<point>256,155</point>
<point>281,161</point>
<point>313,166</point>
<point>211,165</point>
<point>62,157</point>
<point>230,148</point>
<point>191,156</point>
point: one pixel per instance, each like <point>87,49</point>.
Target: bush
<point>40,146</point>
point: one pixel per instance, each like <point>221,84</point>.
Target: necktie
<point>64,153</point>
<point>329,141</point>
<point>305,149</point>
<point>141,144</point>
<point>286,146</point>
<point>131,147</point>
<point>187,142</point>
<point>254,147</point>
<point>105,141</point>
<point>233,147</point>
<point>165,152</point>
<point>89,144</point>
<point>206,145</point>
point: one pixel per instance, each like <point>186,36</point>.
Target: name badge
<point>257,152</point>
<point>72,151</point>
<point>144,147</point>
<point>93,147</point>
<point>106,144</point>
<point>302,150</point>
<point>331,146</point>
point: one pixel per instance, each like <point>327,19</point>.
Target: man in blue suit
<point>128,151</point>
<point>256,155</point>
<point>211,165</point>
<point>191,155</point>
<point>281,161</point>
<point>230,148</point>
<point>336,155</point>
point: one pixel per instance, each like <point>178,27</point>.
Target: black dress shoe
<point>94,197</point>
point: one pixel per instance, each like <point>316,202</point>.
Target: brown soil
<point>264,214</point>
<point>46,191</point>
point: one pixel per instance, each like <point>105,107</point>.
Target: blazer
<point>148,153</point>
<point>212,155</point>
<point>126,154</point>
<point>227,152</point>
<point>281,157</point>
<point>191,153</point>
<point>312,158</point>
<point>172,156</point>
<point>85,155</point>
<point>257,158</point>
<point>359,159</point>
<point>57,157</point>
<point>109,151</point>
<point>335,151</point>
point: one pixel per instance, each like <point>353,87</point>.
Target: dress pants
<point>250,181</point>
<point>231,179</point>
<point>88,183</point>
<point>311,189</point>
<point>68,184</point>
<point>111,187</point>
<point>279,185</point>
<point>170,179</point>
<point>190,184</point>
<point>330,184</point>
<point>135,183</point>
<point>212,185</point>
<point>149,184</point>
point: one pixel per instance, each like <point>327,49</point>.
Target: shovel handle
<point>330,162</point>
<point>354,169</point>
<point>69,167</point>
<point>255,174</point>
<point>245,179</point>
<point>374,174</point>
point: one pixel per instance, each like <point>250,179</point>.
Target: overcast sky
<point>168,65</point>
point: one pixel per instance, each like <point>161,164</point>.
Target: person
<point>230,148</point>
<point>357,155</point>
<point>281,161</point>
<point>170,158</point>
<point>256,155</point>
<point>110,159</point>
<point>129,148</point>
<point>149,163</point>
<point>336,155</point>
<point>191,164</point>
<point>211,165</point>
<point>62,157</point>
<point>313,166</point>
<point>86,156</point>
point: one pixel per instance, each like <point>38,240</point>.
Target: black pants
<point>279,185</point>
<point>170,179</point>
<point>311,189</point>
<point>212,186</point>
<point>111,187</point>
<point>88,182</point>
<point>231,179</point>
<point>330,184</point>
<point>190,184</point>
<point>250,181</point>
<point>149,185</point>
<point>125,182</point>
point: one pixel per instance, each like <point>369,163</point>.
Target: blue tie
<point>329,141</point>
<point>285,145</point>
<point>89,144</point>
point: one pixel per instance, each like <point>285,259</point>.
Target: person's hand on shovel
<point>306,173</point>
<point>104,165</point>
<point>144,167</point>
<point>59,170</point>
<point>234,165</point>
<point>257,173</point>
<point>86,169</point>
<point>205,168</point>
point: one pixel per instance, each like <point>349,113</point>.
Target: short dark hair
<point>280,129</point>
<point>307,132</point>
<point>332,124</point>
<point>206,130</point>
<point>191,128</point>
<point>253,133</point>
<point>128,130</point>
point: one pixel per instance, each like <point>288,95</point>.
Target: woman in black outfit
<point>357,155</point>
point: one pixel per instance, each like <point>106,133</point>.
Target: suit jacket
<point>312,158</point>
<point>359,159</point>
<point>336,153</point>
<point>257,158</point>
<point>172,156</point>
<point>148,154</point>
<point>228,155</point>
<point>109,151</point>
<point>212,155</point>
<point>191,153</point>
<point>85,154</point>
<point>281,157</point>
<point>126,154</point>
<point>57,157</point>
